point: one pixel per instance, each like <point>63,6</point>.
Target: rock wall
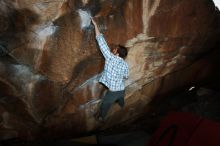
<point>50,62</point>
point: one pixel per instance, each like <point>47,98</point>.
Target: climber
<point>113,76</point>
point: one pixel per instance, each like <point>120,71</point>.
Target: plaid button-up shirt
<point>115,70</point>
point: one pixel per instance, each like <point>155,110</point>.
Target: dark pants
<point>109,98</point>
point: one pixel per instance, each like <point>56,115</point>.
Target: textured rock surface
<point>48,80</point>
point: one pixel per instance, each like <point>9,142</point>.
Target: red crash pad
<point>186,129</point>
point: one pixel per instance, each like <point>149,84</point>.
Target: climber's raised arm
<point>101,42</point>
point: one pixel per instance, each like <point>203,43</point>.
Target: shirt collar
<point>119,57</point>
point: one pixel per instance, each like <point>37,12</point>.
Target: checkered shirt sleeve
<point>104,46</point>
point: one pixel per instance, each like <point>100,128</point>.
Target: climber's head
<point>120,51</point>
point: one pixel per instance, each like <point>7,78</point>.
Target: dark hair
<point>122,51</point>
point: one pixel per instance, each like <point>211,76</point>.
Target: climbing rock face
<point>50,62</point>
